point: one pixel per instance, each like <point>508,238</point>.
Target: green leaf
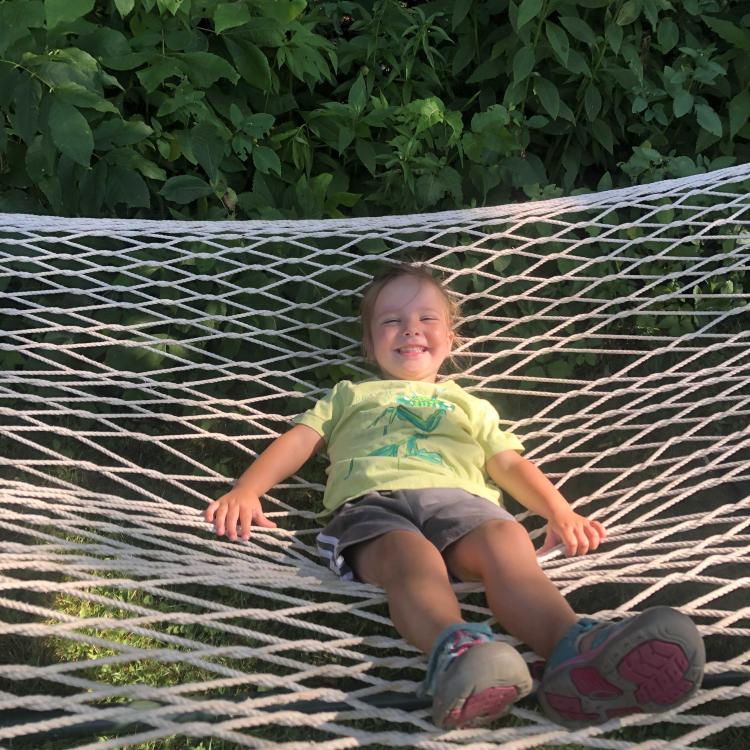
<point>185,189</point>
<point>209,147</point>
<point>153,76</point>
<point>558,39</point>
<point>577,64</point>
<point>739,112</point>
<point>667,34</point>
<point>132,159</point>
<point>592,101</point>
<point>537,122</point>
<point>80,96</point>
<point>603,134</point>
<point>461,9</point>
<point>236,116</point>
<point>729,32</point>
<point>579,29</point>
<point>639,105</point>
<point>41,158</point>
<point>283,11</point>
<point>523,63</point>
<point>628,13</point>
<point>682,103</point>
<point>345,137</point>
<point>429,190</point>
<point>488,69</point>
<point>366,153</point>
<point>92,187</point>
<point>16,19</point>
<point>266,160</point>
<point>230,15</point>
<point>124,6</point>
<point>114,133</point>
<point>302,155</point>
<point>525,171</point>
<point>71,132</point>
<point>464,53</point>
<point>708,119</point>
<point>251,63</point>
<point>128,187</point>
<point>548,95</point>
<point>527,10</point>
<point>258,124</point>
<point>26,97</point>
<point>129,61</point>
<point>171,6</point>
<point>614,35</point>
<point>62,11</point>
<point>205,68</point>
<point>358,93</point>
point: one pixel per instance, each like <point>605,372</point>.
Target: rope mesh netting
<point>144,364</point>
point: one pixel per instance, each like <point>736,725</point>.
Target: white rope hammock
<point>143,364</point>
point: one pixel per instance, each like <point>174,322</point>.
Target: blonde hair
<point>391,273</point>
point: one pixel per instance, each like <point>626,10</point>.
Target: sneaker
<point>472,678</point>
<point>599,671</point>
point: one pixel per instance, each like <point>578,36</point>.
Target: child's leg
<point>412,571</point>
<point>524,601</point>
<point>596,671</point>
<point>472,678</point>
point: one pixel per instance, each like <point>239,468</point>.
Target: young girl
<point>414,469</point>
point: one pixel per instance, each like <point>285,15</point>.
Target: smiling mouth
<point>412,350</point>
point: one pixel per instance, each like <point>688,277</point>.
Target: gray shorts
<point>441,515</point>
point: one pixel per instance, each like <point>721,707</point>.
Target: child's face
<point>411,337</point>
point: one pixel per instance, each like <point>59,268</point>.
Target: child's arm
<point>527,484</point>
<point>285,456</point>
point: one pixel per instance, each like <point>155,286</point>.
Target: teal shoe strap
<point>566,647</point>
<point>434,663</point>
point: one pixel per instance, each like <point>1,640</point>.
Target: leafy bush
<point>286,108</point>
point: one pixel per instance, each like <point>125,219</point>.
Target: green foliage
<point>286,108</point>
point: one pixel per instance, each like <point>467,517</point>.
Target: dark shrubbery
<point>286,108</point>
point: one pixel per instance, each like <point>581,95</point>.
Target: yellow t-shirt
<point>401,434</point>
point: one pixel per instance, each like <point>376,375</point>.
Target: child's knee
<point>503,535</point>
<point>493,546</point>
<point>388,557</point>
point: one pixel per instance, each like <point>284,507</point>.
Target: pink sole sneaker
<point>650,664</point>
<point>482,708</point>
<point>480,686</point>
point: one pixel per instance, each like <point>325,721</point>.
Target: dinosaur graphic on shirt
<point>403,412</point>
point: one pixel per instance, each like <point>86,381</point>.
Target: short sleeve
<point>489,435</point>
<point>323,416</point>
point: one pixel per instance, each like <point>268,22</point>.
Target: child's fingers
<point>231,522</point>
<point>551,540</point>
<point>220,513</point>
<point>246,523</point>
<point>582,541</point>
<point>593,536</point>
<point>261,520</point>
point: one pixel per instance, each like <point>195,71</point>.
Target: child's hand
<point>577,533</point>
<point>236,507</point>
